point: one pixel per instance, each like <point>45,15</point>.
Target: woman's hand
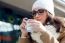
<point>23,29</point>
<point>35,25</point>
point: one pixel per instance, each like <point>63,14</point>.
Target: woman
<point>43,23</point>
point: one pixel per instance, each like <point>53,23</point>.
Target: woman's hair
<point>55,22</point>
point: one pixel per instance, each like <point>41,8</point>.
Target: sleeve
<point>23,40</point>
<point>61,38</point>
<point>46,37</point>
<point>26,40</point>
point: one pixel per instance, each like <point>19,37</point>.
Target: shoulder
<point>62,30</point>
<point>61,22</point>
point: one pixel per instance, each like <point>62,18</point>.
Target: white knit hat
<point>44,4</point>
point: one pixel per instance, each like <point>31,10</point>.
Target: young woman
<point>45,23</point>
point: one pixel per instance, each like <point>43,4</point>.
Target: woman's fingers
<point>23,25</point>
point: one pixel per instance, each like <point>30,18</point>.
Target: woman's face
<point>40,15</point>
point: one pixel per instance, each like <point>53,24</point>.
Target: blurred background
<point>12,12</point>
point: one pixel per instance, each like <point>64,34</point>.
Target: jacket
<point>47,38</point>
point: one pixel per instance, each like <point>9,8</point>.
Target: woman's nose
<point>37,14</point>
